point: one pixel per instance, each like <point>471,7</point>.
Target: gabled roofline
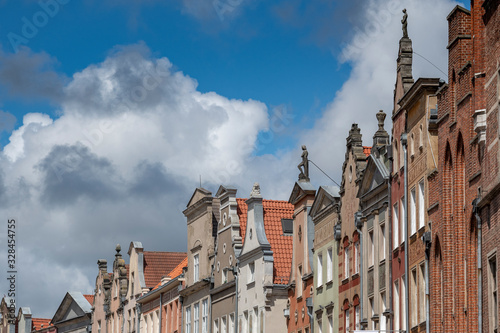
<point>421,84</point>
<point>457,8</point>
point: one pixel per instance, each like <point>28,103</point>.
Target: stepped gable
<point>157,263</point>
<point>281,245</point>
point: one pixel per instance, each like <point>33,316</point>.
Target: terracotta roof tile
<point>89,298</point>
<point>178,270</point>
<point>367,150</point>
<point>282,246</point>
<point>37,323</point>
<point>156,264</point>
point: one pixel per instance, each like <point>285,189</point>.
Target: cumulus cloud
<point>134,135</point>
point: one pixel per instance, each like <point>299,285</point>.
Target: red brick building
<point>486,25</point>
<point>453,256</point>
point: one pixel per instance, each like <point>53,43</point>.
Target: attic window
<point>350,173</point>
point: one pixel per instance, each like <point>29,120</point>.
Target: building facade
<point>264,264</point>
<point>453,260</point>
<point>374,218</point>
<point>301,288</point>
<point>348,237</point>
<point>227,249</point>
<point>202,215</point>
<point>325,215</point>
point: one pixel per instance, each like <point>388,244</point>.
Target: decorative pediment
<point>374,175</point>
<point>326,196</point>
<point>300,190</point>
<point>198,194</point>
<point>74,305</point>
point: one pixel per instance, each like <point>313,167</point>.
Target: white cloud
<point>134,136</point>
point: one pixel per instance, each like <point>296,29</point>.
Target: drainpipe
<point>235,272</point>
<point>475,209</point>
<point>389,186</point>
<point>138,316</point>
<point>309,305</point>
<point>427,238</point>
<point>404,142</point>
<point>179,306</point>
<point>359,225</point>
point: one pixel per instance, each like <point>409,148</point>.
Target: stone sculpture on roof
<point>304,165</point>
<point>404,21</point>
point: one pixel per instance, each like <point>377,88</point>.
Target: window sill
<point>413,237</point>
<point>251,284</point>
<point>345,281</point>
<point>319,288</point>
<point>421,229</point>
<point>355,276</point>
<point>329,283</point>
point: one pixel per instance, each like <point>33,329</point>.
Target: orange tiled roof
<point>367,150</point>
<point>282,246</point>
<point>38,322</point>
<point>178,269</point>
<point>157,263</point>
<point>89,298</point>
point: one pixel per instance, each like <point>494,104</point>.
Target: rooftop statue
<point>304,165</point>
<point>404,21</point>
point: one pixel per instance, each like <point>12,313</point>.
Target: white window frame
<point>196,317</point>
<point>403,207</point>
<point>371,256</point>
<point>319,270</point>
<point>329,265</point>
<point>356,257</point>
<point>188,320</point>
<point>421,293</point>
<point>196,267</point>
<point>204,316</point>
<point>413,211</point>
<point>346,262</point>
<point>421,204</point>
<point>382,243</point>
<point>346,320</point>
<point>251,272</point>
<point>395,226</point>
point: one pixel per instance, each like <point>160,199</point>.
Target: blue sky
<point>113,111</point>
<point>263,53</point>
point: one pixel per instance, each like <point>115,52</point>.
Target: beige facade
<point>422,161</point>
<point>373,195</point>
<point>202,215</point>
<point>227,249</point>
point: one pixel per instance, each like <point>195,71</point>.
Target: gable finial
<point>255,191</point>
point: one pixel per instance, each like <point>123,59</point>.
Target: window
<point>493,291</point>
<point>396,156</point>
<point>396,305</point>
<point>299,282</point>
<point>98,326</point>
<point>223,325</point>
<point>320,326</point>
<point>261,321</point>
<point>357,318</point>
<point>254,320</point>
<point>395,226</point>
<point>421,294</point>
<point>330,324</point>
<point>116,288</point>
<point>188,319</point>
<point>346,319</point>
<point>133,320</point>
<point>156,317</point>
<point>132,285</point>
<point>421,138</point>
<point>129,321</point>
<point>421,204</point>
<point>356,258</point>
<point>329,265</point>
<point>346,262</point>
<point>196,319</point>
<point>231,323</point>
<point>383,319</point>
<point>251,272</point>
<point>403,206</point>
<point>371,257</point>
<point>245,322</point>
<point>414,292</point>
<point>113,323</point>
<point>196,265</point>
<point>372,309</point>
<point>224,275</point>
<point>204,316</point>
<point>319,279</point>
<point>412,145</point>
<point>413,212</point>
<point>216,325</point>
<point>381,254</point>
